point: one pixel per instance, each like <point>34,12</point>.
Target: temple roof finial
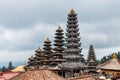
<point>114,56</point>
<point>47,40</point>
<point>72,11</point>
<point>31,57</point>
<point>59,27</point>
<point>38,49</point>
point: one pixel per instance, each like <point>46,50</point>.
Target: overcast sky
<point>25,24</point>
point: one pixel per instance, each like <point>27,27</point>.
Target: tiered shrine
<point>64,57</point>
<point>91,60</point>
<point>58,50</point>
<point>59,46</point>
<point>47,52</point>
<point>73,48</point>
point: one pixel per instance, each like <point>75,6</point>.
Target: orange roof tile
<point>8,75</point>
<point>38,75</point>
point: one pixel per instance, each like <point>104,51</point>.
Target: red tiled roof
<point>7,75</point>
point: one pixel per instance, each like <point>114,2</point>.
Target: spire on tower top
<point>47,40</point>
<point>72,11</point>
<point>38,49</point>
<point>114,56</point>
<point>59,28</point>
<point>32,57</point>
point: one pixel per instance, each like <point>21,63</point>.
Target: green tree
<point>3,69</point>
<point>108,57</point>
<point>10,67</point>
<point>118,55</point>
<point>97,61</point>
<point>104,59</point>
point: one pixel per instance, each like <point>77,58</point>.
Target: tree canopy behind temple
<point>108,57</point>
<point>10,67</point>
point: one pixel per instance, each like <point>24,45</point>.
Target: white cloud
<point>8,35</point>
<point>14,56</point>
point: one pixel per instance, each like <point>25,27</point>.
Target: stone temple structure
<point>31,61</point>
<point>74,60</point>
<point>57,56</point>
<point>64,57</point>
<point>35,61</point>
<point>38,57</point>
<point>47,51</point>
<point>91,60</point>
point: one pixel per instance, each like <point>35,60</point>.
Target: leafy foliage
<point>108,57</point>
<point>3,69</point>
<point>10,67</point>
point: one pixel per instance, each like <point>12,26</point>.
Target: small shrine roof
<point>113,64</point>
<point>19,69</point>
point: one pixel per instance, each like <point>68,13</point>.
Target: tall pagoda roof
<point>91,61</point>
<point>113,64</point>
<point>72,53</point>
<point>38,75</point>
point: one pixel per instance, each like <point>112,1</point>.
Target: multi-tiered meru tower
<point>38,57</point>
<point>58,50</point>
<point>74,60</point>
<point>47,51</point>
<point>91,60</point>
<point>36,61</point>
<point>59,47</point>
<point>31,62</point>
<point>66,56</point>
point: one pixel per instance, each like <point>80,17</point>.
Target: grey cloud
<point>24,13</point>
<point>31,21</point>
<point>102,34</point>
<point>26,39</point>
